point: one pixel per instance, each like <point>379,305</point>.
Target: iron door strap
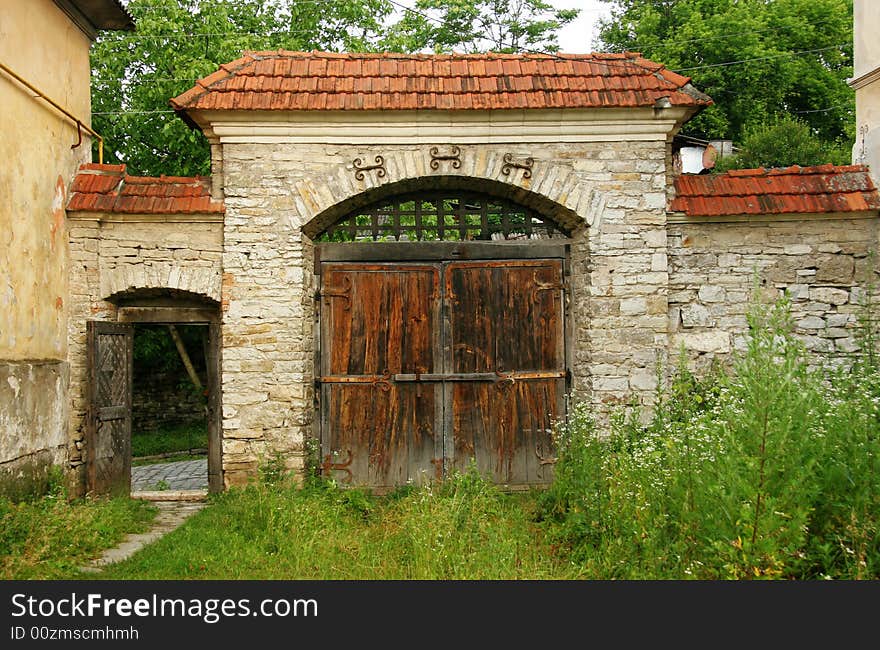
<point>477,376</point>
<point>383,380</point>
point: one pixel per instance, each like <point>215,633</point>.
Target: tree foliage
<point>756,59</point>
<point>479,26</point>
<point>179,41</point>
<point>782,142</point>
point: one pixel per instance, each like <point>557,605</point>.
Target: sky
<point>577,37</point>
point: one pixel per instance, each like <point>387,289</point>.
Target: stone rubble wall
<point>823,265</point>
<point>272,191</point>
<point>113,257</point>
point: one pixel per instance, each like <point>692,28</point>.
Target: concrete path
<point>171,515</point>
<point>179,475</point>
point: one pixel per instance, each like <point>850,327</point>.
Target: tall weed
<point>767,470</point>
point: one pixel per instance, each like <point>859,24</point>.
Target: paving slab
<point>171,515</point>
<point>178,475</point>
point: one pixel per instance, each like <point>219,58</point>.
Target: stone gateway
<point>420,261</point>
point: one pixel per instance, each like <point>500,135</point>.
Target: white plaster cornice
<point>455,127</point>
<point>865,79</point>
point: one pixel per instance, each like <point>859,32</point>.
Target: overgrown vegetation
<point>184,437</point>
<point>785,141</point>
<point>273,529</point>
<point>51,537</point>
<point>767,471</point>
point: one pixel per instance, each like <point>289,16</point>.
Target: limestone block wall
<point>277,195</point>
<point>823,264</point>
<point>122,257</point>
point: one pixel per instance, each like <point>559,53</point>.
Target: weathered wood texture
<point>215,417</point>
<point>425,367</point>
<point>108,441</point>
<point>506,317</point>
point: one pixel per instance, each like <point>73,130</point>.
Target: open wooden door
<point>108,422</point>
<point>215,451</point>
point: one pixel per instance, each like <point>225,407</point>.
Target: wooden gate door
<point>108,422</point>
<point>215,416</point>
<point>427,366</point>
<point>507,380</point>
<point>378,321</point>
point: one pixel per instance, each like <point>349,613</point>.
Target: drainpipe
<point>80,126</point>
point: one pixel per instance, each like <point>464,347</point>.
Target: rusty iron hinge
<point>343,292</point>
<point>329,466</point>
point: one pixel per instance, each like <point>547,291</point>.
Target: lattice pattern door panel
<point>108,426</point>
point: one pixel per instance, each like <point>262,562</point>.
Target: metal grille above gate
<point>442,216</point>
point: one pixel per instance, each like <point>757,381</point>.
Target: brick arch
<point>551,189</point>
<point>197,282</point>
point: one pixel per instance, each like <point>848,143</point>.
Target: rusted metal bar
<point>478,376</point>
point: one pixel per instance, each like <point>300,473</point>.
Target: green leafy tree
<point>756,59</point>
<point>782,142</point>
<point>179,41</point>
<point>480,26</point>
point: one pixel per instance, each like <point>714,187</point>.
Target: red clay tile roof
<point>107,188</point>
<point>788,190</point>
<point>286,80</point>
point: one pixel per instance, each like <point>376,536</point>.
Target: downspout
<point>80,126</point>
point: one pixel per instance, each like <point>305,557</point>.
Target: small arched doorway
<point>111,384</point>
<point>441,342</point>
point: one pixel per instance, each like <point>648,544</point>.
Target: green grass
<point>463,529</point>
<point>192,435</point>
<point>768,469</point>
<point>50,538</point>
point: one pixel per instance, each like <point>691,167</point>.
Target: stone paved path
<point>179,475</point>
<point>171,515</point>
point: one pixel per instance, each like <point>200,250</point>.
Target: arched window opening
<point>442,216</point>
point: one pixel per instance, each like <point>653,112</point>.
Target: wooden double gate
<point>426,367</point>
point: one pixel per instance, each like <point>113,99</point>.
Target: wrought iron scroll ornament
<point>454,155</point>
<point>524,164</point>
<point>360,168</point>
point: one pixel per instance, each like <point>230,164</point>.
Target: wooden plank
<point>440,251</point>
<point>375,433</point>
<point>508,319</point>
<point>168,315</point>
<point>106,413</point>
<point>213,352</point>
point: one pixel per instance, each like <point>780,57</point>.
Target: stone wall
<point>824,266</point>
<point>160,401</point>
<point>123,257</point>
<point>611,193</point>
